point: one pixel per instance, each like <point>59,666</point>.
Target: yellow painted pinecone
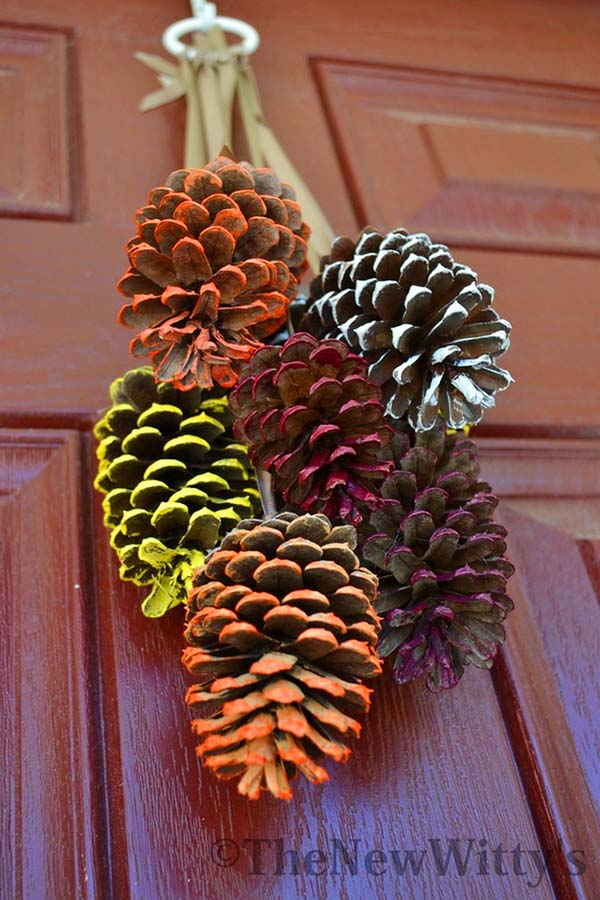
<point>174,481</point>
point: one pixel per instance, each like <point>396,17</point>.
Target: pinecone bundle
<point>213,267</point>
<point>443,596</point>
<point>425,326</point>
<point>313,420</point>
<point>174,479</point>
<point>282,633</point>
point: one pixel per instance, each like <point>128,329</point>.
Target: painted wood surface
<point>476,121</point>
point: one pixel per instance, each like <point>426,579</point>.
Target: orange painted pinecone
<point>213,266</point>
<point>282,632</point>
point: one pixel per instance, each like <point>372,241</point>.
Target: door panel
<point>488,162</point>
<point>36,184</point>
<point>476,121</point>
<point>51,804</point>
<point>548,680</point>
<point>425,767</point>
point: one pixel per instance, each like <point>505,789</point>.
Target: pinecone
<point>174,479</point>
<point>425,326</point>
<point>314,421</point>
<point>213,267</point>
<point>282,634</point>
<point>443,596</point>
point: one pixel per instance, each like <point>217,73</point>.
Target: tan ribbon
<point>211,83</point>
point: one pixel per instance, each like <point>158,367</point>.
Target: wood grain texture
<point>71,347</point>
<point>415,775</point>
<point>590,554</point>
<point>38,110</point>
<point>425,768</point>
<point>490,162</point>
<point>125,153</point>
<point>106,797</point>
<point>549,684</point>
<point>50,808</point>
<point>494,162</point>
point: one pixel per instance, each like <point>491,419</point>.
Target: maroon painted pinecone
<point>443,596</point>
<point>426,327</point>
<point>215,262</point>
<point>312,418</point>
<point>281,633</point>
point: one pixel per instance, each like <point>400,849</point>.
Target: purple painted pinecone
<point>443,596</point>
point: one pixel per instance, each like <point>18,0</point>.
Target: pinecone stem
<point>265,490</point>
<point>290,323</point>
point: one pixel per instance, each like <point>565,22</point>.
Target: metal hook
<point>204,18</point>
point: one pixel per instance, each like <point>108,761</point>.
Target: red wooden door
<point>476,122</point>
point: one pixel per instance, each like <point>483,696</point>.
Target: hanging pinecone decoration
<point>424,324</point>
<point>282,633</point>
<point>213,267</point>
<point>175,481</point>
<point>314,421</point>
<point>443,594</point>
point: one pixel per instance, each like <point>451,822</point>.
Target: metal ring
<point>172,43</point>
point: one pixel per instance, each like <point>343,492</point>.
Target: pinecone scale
<point>213,267</point>
<point>312,418</point>
<point>174,481</point>
<point>424,324</point>
<point>282,632</point>
<point>442,558</point>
